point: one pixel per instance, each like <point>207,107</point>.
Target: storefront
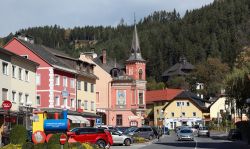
<point>172,123</point>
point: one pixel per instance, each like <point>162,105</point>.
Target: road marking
<point>196,144</point>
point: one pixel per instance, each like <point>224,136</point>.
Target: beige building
<point>185,109</point>
<point>18,84</point>
<point>103,85</point>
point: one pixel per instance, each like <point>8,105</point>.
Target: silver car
<point>185,134</point>
<point>203,131</point>
<point>119,138</point>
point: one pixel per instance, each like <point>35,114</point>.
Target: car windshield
<point>186,131</point>
<point>131,129</point>
<point>203,128</point>
<point>74,130</point>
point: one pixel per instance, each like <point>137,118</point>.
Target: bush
<point>54,142</point>
<point>89,146</point>
<point>76,145</point>
<point>28,145</point>
<point>139,140</point>
<point>18,135</point>
<point>12,146</point>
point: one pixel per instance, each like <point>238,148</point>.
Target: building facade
<point>185,109</point>
<point>18,85</point>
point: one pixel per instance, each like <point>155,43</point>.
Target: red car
<point>91,135</point>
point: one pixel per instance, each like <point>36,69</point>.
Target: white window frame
<point>92,88</point>
<point>194,114</point>
<point>57,101</point>
<point>39,100</point>
<point>72,103</point>
<point>72,83</point>
<point>20,98</point>
<point>142,97</point>
<point>57,80</point>
<point>7,94</point>
<point>85,104</point>
<point>65,103</point>
<point>26,98</point>
<point>79,106</point>
<point>26,76</point>
<point>5,67</point>
<point>79,86</point>
<point>92,105</point>
<point>14,71</point>
<point>65,81</point>
<point>14,96</point>
<point>38,79</point>
<point>85,86</point>
<point>20,73</point>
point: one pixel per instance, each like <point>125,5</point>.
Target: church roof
<point>135,50</point>
<point>180,68</point>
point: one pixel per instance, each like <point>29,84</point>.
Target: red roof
<point>161,95</point>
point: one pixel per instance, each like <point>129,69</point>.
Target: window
<point>26,75</point>
<point>38,100</point>
<point>140,98</point>
<point>20,74</point>
<point>20,98</point>
<point>25,56</point>
<point>65,102</point>
<point>79,103</point>
<point>72,103</point>
<point>79,85</point>
<point>183,113</point>
<point>85,86</point>
<point>65,84</point>
<point>178,104</point>
<point>92,88</point>
<point>5,68</point>
<point>57,101</point>
<point>172,114</point>
<point>119,120</point>
<point>4,94</point>
<point>92,105</point>
<point>187,103</point>
<point>72,83</point>
<point>14,96</point>
<point>57,80</point>
<point>26,98</point>
<point>14,71</point>
<point>85,105</point>
<point>182,103</point>
<point>38,79</point>
<point>194,113</point>
<point>140,74</point>
<point>97,97</point>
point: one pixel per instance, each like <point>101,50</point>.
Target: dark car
<point>234,134</point>
<point>145,132</point>
<point>99,136</point>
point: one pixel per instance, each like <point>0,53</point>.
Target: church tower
<point>136,65</point>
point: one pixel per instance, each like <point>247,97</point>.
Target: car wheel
<point>127,142</point>
<point>101,143</point>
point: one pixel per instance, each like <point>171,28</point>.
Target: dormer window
<point>140,74</point>
<point>115,73</point>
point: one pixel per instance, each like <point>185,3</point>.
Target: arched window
<point>140,74</point>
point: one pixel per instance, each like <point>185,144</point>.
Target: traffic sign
<point>6,104</point>
<point>63,139</point>
<point>38,137</point>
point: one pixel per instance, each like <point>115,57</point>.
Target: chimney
<point>104,56</point>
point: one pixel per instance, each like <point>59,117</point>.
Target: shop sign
<point>98,121</point>
<point>6,104</point>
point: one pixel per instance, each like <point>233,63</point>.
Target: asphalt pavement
<point>215,141</point>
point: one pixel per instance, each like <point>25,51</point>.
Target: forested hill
<point>217,30</point>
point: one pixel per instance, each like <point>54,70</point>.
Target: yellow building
<point>86,94</point>
<point>155,101</point>
<point>185,109</point>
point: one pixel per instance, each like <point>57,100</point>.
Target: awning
<point>82,119</point>
<point>73,118</point>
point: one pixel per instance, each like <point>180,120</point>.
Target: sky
<point>19,14</point>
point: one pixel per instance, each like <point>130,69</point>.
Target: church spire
<point>135,50</point>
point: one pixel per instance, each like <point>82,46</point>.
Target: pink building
<point>120,91</point>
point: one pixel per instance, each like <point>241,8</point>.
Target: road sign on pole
<point>63,140</point>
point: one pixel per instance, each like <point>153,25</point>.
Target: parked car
<point>234,134</point>
<point>145,132</point>
<point>98,136</point>
<point>185,134</point>
<point>203,131</point>
<point>121,129</point>
<point>195,129</point>
<point>119,138</point>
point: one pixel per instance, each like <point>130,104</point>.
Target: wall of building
<point>158,113</point>
<point>133,70</point>
<point>217,106</point>
<point>177,110</point>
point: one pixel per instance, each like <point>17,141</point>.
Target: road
<point>216,141</point>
